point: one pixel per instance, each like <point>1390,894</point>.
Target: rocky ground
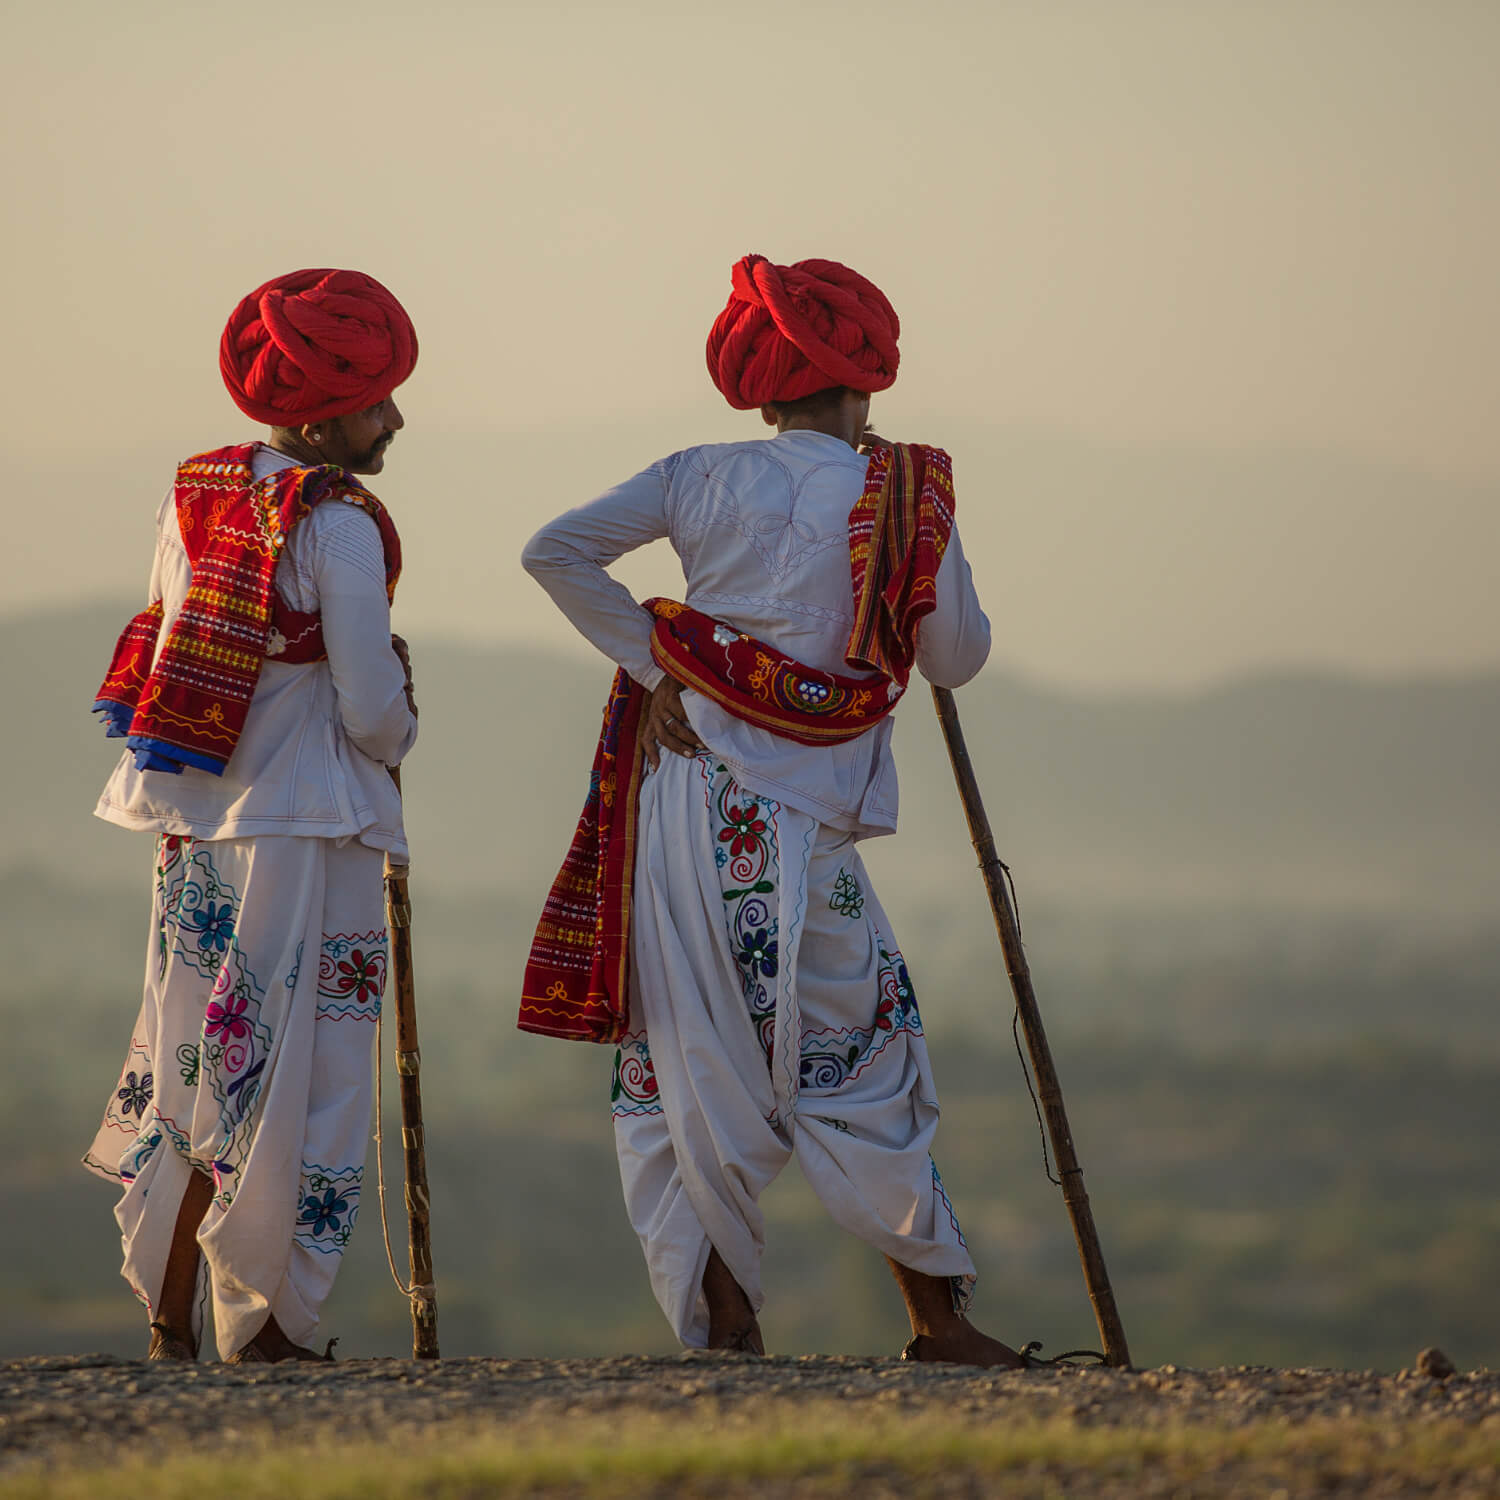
<point>83,1410</point>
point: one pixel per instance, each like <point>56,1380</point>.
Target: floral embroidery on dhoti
<point>775,1014</point>
<point>351,975</point>
<point>244,1059</point>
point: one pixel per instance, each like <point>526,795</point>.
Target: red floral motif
<point>361,975</point>
<point>746,827</point>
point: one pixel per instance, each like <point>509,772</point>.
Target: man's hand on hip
<point>664,725</point>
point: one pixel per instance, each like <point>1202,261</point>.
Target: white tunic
<point>761,529</point>
<point>318,737</point>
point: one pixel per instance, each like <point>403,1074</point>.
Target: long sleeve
<point>568,557</point>
<point>154,589</point>
<point>953,642</point>
<point>171,572</point>
<point>349,568</point>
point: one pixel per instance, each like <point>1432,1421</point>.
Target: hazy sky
<point>1203,296</point>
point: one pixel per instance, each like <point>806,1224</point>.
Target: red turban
<point>313,345</point>
<point>788,331</point>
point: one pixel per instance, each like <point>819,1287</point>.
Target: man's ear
<point>312,432</point>
<point>768,415</point>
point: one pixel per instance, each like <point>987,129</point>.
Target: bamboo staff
<point>1095,1276</point>
<point>421,1291</point>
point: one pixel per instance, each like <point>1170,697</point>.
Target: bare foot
<point>168,1344</point>
<point>271,1347</point>
<point>939,1331</point>
<point>963,1344</point>
<point>732,1324</point>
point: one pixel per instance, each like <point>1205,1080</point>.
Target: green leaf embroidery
<point>760,888</point>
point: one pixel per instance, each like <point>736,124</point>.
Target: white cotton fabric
<point>729,1070</point>
<point>762,532</point>
<point>771,1011</point>
<point>318,737</point>
<point>250,1062</point>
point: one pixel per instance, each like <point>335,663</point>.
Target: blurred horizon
<point>1200,296</point>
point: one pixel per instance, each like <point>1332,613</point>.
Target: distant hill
<point>1294,792</point>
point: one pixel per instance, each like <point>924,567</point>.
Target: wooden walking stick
<point>421,1291</point>
<point>1095,1276</point>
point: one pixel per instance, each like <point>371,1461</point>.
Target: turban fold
<point>788,331</point>
<point>313,345</point>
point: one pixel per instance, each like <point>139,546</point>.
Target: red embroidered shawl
<point>189,708</point>
<point>576,984</point>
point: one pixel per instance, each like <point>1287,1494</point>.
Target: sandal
<point>1073,1358</point>
<point>167,1344</point>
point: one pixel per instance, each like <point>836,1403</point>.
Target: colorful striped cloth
<point>187,706</point>
<point>576,981</point>
<point>898,532</point>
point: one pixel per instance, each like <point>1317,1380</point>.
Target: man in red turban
<point>262,699</point>
<point>734,948</point>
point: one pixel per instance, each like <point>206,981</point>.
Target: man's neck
<point>288,441</point>
<point>835,425</point>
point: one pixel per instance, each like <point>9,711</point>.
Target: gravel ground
<point>94,1408</point>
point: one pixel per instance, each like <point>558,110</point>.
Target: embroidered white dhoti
<point>772,1013</point>
<point>251,1062</point>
